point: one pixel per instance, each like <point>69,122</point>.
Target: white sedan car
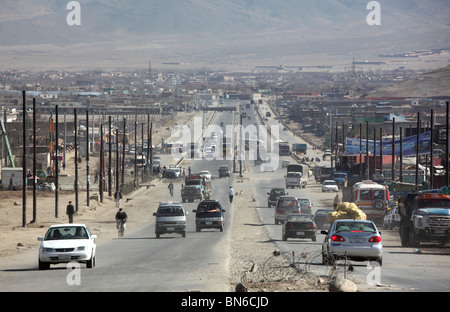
<point>329,186</point>
<point>65,243</point>
<point>206,174</point>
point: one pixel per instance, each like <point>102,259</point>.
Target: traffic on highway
<point>189,237</point>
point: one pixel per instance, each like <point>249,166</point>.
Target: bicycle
<point>120,228</point>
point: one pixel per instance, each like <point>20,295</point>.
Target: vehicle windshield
<point>287,203</point>
<point>194,182</point>
<point>66,232</point>
<point>355,226</point>
<point>303,201</point>
<point>293,175</point>
<point>329,183</point>
<point>434,203</point>
<point>171,211</point>
<point>323,212</point>
<point>209,207</point>
<point>277,192</point>
<point>300,218</point>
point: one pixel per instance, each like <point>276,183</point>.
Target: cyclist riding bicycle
<point>121,219</point>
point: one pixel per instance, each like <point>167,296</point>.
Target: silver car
<point>358,240</point>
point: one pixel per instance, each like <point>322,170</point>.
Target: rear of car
<point>299,226</point>
<point>305,205</point>
<point>209,215</point>
<point>321,218</point>
<point>170,218</point>
<point>329,186</point>
<point>286,205</point>
<point>274,194</point>
<point>357,240</point>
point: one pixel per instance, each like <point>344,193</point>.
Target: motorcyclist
<point>231,194</point>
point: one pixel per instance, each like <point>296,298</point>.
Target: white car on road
<point>65,243</point>
<point>329,186</point>
<point>206,174</point>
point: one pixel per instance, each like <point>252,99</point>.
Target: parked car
<point>305,205</point>
<point>391,219</point>
<point>285,206</point>
<point>170,218</point>
<point>274,194</point>
<point>321,218</point>
<point>224,171</point>
<point>299,226</point>
<point>206,174</point>
<point>359,240</point>
<point>329,186</point>
<point>65,243</point>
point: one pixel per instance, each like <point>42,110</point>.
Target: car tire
<point>285,237</point>
<point>91,262</point>
<point>158,235</point>
<point>380,260</point>
<point>197,229</point>
<point>313,238</point>
<point>44,265</point>
<point>183,234</point>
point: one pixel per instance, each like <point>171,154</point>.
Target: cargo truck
<point>196,187</point>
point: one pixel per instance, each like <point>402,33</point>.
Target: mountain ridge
<point>267,28</point>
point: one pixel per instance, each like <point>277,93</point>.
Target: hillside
<point>435,83</point>
<point>130,33</point>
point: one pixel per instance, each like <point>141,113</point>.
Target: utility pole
<point>24,160</point>
<point>367,151</point>
<point>56,161</point>
<point>431,149</point>
<point>101,163</point>
<point>87,159</point>
<point>417,151</point>
<point>401,154</point>
<point>123,148</point>
<point>393,150</point>
<point>109,158</point>
<point>76,158</point>
<point>34,163</point>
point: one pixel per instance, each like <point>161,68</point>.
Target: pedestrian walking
<point>231,194</point>
<point>70,211</point>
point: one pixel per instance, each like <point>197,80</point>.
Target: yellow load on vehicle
<point>346,210</point>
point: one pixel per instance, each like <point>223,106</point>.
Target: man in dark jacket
<point>70,211</point>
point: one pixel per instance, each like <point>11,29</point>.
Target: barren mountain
<point>130,33</point>
<point>433,84</point>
